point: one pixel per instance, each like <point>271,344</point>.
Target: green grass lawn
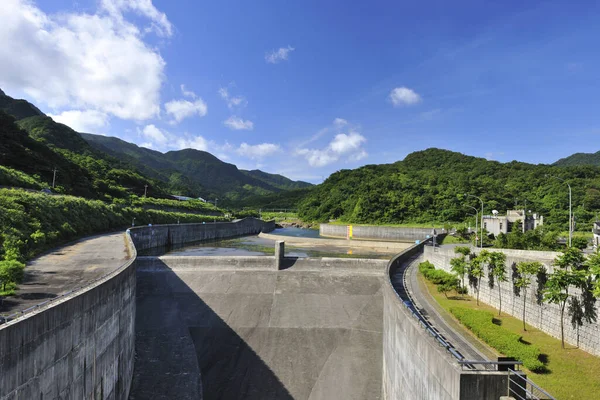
<point>573,373</point>
<point>449,239</point>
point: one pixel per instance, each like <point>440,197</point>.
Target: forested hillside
<point>428,186</point>
<point>580,159</point>
<point>101,167</point>
<point>203,173</point>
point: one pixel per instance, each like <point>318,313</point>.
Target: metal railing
<point>522,388</point>
<point>7,318</point>
<point>409,303</point>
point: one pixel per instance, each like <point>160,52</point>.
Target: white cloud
<point>281,54</point>
<point>89,121</point>
<point>154,133</point>
<point>258,151</point>
<point>232,101</point>
<point>318,158</point>
<point>236,123</point>
<point>148,145</point>
<point>187,93</point>
<point>340,122</point>
<point>402,96</point>
<point>83,61</point>
<point>194,142</point>
<point>181,109</point>
<point>159,22</point>
<point>343,145</point>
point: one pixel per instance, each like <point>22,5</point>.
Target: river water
<point>256,246</point>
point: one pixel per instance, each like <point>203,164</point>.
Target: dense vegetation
<point>31,222</point>
<point>429,186</point>
<point>194,172</point>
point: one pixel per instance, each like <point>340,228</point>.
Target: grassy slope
<point>574,374</point>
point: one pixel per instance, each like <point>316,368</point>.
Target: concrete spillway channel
<point>244,331</point>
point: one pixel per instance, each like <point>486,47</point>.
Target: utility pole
<point>145,190</point>
<point>570,207</point>
<point>481,225</point>
<point>476,218</point>
<point>54,177</point>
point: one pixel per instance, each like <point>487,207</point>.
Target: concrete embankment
<point>415,365</point>
<point>385,233</point>
<point>82,345</point>
<point>319,242</point>
<point>78,347</point>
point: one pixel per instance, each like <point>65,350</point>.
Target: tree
<point>526,271</point>
<point>11,271</point>
<point>593,265</point>
<point>476,270</point>
<point>497,264</point>
<point>448,286</point>
<point>458,265</point>
<point>568,272</point>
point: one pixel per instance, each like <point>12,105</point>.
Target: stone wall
<point>80,347</point>
<point>376,232</point>
<point>545,317</point>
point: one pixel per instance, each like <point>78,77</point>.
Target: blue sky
<point>308,88</point>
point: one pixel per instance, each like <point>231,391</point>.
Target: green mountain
<point>429,185</point>
<point>17,108</point>
<point>580,159</point>
<point>207,175</point>
<point>278,181</point>
<point>106,167</point>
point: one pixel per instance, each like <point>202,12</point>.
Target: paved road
<point>67,268</point>
<point>257,335</point>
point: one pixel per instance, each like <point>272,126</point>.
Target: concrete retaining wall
<point>545,317</point>
<point>376,232</point>
<point>415,366</point>
<point>164,236</point>
<point>81,347</point>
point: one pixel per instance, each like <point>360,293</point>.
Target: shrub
<point>506,342</point>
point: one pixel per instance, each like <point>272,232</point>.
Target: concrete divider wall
<point>149,237</point>
<point>415,366</point>
<point>80,347</point>
<point>262,263</point>
<point>545,317</point>
<point>376,232</point>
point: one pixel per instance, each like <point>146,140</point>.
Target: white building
<point>596,232</point>
<point>496,224</point>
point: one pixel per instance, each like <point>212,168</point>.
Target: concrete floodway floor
<point>257,335</point>
<point>67,268</point>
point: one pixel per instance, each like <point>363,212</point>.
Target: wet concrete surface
<point>257,335</point>
<point>67,268</point>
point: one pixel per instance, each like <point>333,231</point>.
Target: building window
<point>485,225</point>
<point>500,225</point>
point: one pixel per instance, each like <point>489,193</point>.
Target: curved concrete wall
<point>162,236</point>
<point>80,347</point>
<point>415,366</point>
